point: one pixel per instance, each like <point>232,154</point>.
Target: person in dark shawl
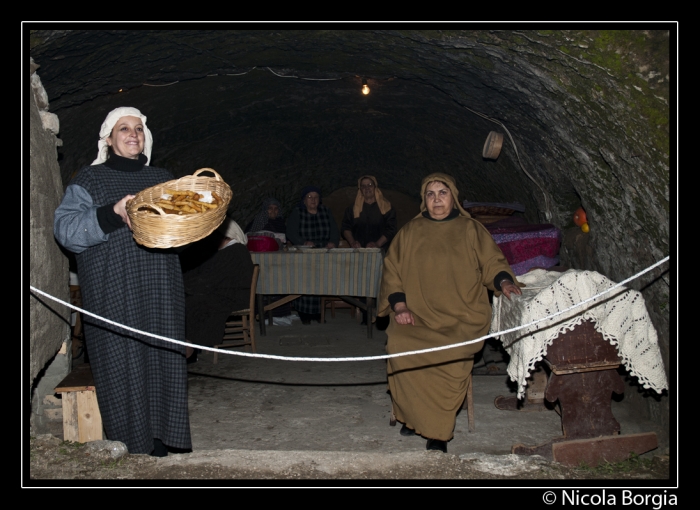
<point>435,282</point>
<point>140,381</point>
<point>311,224</point>
<point>217,286</point>
<point>269,218</point>
<point>371,221</point>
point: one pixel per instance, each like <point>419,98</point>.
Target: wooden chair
<point>336,302</point>
<point>468,403</point>
<point>241,333</point>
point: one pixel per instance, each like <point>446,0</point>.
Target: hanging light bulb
<point>365,88</point>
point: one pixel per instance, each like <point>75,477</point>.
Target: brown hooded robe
<point>444,268</point>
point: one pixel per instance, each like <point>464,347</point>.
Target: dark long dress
<point>141,382</point>
<point>320,228</point>
<point>213,290</point>
<point>370,225</point>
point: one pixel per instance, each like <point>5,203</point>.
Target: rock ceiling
<point>273,110</point>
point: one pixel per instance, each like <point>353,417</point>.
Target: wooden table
<point>583,375</point>
<point>348,274</point>
<point>578,366</point>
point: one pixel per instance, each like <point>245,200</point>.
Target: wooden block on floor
<point>597,450</point>
<point>82,421</point>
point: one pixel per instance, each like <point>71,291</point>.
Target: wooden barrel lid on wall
<point>492,146</point>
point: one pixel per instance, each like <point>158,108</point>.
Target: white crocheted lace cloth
<point>620,316</point>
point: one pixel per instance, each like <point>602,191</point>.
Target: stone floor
<point>253,403</point>
<point>258,413</point>
<point>283,404</point>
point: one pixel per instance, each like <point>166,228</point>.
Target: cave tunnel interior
<point>274,110</point>
<point>585,115</point>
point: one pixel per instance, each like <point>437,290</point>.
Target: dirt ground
<point>52,459</point>
<point>258,421</point>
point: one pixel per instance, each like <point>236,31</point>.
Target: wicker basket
<point>163,230</point>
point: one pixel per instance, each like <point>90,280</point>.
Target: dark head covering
<point>306,191</point>
<point>262,217</point>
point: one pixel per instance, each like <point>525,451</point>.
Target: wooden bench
<point>583,376</point>
<point>82,421</point>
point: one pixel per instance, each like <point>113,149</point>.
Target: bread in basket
<point>153,228</point>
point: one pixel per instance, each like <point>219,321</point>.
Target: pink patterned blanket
<point>527,246</point>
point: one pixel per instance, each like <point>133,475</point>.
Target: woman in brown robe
<point>435,284</point>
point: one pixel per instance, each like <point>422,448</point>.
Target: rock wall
<point>49,336</point>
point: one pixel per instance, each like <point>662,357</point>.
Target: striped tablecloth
<point>326,273</point>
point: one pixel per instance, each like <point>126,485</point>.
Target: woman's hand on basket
<point>403,315</point>
<point>120,209</point>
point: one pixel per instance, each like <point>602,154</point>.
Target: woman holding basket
<point>140,381</point>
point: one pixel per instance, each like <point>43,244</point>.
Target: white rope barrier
<point>363,358</point>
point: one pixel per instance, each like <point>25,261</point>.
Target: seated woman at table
<point>371,221</point>
<point>435,283</point>
<point>218,274</point>
<point>311,224</point>
<point>268,218</point>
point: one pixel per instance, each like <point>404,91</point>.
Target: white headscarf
<point>232,230</point>
<point>108,125</point>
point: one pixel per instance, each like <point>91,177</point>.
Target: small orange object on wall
<point>580,219</point>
